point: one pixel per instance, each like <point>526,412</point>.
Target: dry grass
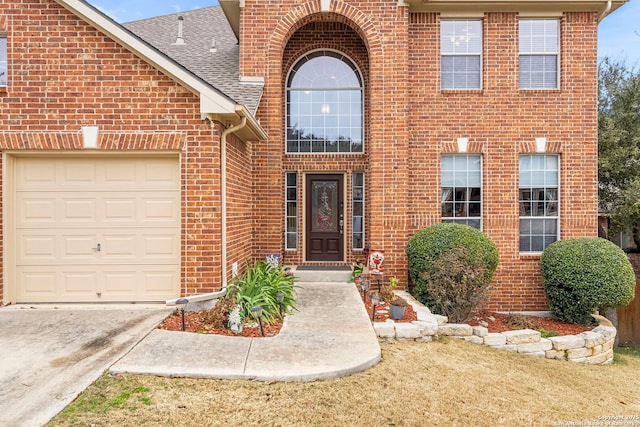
<point>447,383</point>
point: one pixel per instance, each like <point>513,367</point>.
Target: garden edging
<point>593,347</point>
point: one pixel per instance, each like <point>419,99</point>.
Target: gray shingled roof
<point>221,68</point>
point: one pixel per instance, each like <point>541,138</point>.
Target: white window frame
<point>544,187</point>
<point>549,50</point>
<point>462,219</point>
<point>315,143</point>
<point>353,215</point>
<point>293,201</point>
<point>458,50</point>
<point>4,59</point>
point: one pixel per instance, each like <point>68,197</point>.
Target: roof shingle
<point>221,69</point>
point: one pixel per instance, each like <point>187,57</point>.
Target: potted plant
<point>397,307</point>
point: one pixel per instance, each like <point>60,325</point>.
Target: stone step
<point>322,275</point>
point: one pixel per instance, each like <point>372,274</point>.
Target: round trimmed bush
<point>433,243</point>
<point>584,274</point>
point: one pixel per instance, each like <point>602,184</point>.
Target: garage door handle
<point>97,248</point>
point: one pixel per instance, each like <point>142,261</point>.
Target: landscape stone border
<point>593,347</point>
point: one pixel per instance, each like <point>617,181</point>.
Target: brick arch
<point>340,12</point>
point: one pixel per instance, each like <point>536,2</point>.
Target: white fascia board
<point>211,101</point>
<point>511,5</point>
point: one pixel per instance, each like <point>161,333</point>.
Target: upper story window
<point>3,60</point>
<point>539,210</point>
<point>324,105</point>
<point>461,50</point>
<point>461,181</point>
<point>539,53</point>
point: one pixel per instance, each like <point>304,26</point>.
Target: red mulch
<point>496,323</point>
<point>195,321</point>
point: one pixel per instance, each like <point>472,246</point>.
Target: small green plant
<point>259,286</point>
<point>547,334</point>
<point>356,270</point>
<point>584,274</point>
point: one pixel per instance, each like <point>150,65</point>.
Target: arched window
<point>324,105</point>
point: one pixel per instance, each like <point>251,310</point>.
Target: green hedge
<point>430,244</point>
<point>584,274</point>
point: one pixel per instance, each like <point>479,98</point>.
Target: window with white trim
<point>358,211</point>
<point>461,183</point>
<point>539,201</point>
<point>3,60</point>
<point>324,105</point>
<point>539,53</point>
<point>291,211</point>
<point>461,54</point>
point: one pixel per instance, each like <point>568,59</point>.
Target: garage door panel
<point>36,211</point>
<point>158,281</point>
<point>36,286</point>
<point>121,283</point>
<point>66,207</point>
<point>37,247</point>
<point>79,282</point>
<point>79,210</point>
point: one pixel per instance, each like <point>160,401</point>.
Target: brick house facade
<point>262,189</point>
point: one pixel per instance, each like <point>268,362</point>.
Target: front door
<point>324,218</point>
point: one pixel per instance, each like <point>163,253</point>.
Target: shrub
<point>457,285</point>
<point>584,274</point>
<point>259,286</point>
<point>431,243</point>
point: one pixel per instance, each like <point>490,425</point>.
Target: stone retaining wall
<point>593,347</point>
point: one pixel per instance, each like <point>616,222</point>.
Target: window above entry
<point>324,105</point>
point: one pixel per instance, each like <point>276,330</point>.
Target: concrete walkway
<point>328,337</point>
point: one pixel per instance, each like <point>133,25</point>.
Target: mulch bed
<point>495,322</point>
<point>499,322</point>
<point>196,321</point>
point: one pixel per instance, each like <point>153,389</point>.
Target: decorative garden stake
<point>235,319</point>
<point>182,303</point>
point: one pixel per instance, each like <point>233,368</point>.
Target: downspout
<point>605,12</point>
<point>223,196</point>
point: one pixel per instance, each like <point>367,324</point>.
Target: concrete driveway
<point>49,354</point>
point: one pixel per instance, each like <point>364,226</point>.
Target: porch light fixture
<point>280,299</point>
<point>462,145</point>
<point>541,145</point>
<point>257,313</point>
<point>182,305</point>
<point>375,299</point>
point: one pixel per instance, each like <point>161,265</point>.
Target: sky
<point>618,33</point>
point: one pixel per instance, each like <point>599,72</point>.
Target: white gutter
<point>223,195</point>
<point>605,12</point>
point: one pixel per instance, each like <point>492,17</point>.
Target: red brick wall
<point>64,74</point>
<point>410,122</point>
<point>240,209</point>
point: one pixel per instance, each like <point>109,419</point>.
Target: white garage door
<point>96,229</point>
